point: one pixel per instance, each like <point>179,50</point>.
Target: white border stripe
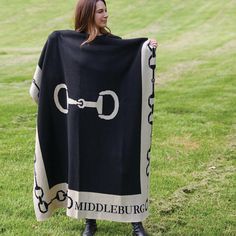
<point>36,83</point>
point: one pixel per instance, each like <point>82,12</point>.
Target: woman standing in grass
<point>91,18</point>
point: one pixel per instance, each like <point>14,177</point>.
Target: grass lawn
<point>193,181</point>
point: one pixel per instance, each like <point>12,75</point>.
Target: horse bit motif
<point>81,103</point>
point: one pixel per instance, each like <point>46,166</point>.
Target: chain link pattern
<point>59,196</point>
<point>152,66</point>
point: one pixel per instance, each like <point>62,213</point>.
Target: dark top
<point>103,35</point>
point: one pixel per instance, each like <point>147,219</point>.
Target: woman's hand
<point>153,43</point>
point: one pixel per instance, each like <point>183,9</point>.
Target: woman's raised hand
<point>153,43</point>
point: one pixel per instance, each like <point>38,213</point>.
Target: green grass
<point>194,133</point>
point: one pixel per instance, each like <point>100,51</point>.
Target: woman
<point>91,18</point>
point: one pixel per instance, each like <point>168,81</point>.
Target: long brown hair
<point>84,19</point>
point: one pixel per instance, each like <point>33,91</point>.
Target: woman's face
<point>101,15</point>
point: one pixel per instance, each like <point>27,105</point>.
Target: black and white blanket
<point>94,126</point>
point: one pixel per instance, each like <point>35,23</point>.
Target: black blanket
<point>93,136</point>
